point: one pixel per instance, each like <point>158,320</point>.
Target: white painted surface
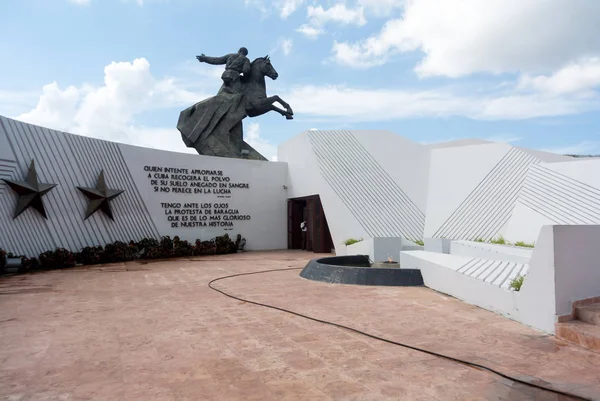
<point>264,201</point>
<point>491,251</point>
<point>406,162</point>
<point>564,268</point>
<point>440,273</point>
<point>71,161</point>
<point>525,224</point>
<point>380,249</point>
<point>566,193</point>
<point>305,179</point>
<point>439,245</point>
<point>577,264</point>
<point>536,299</point>
<point>470,188</point>
<point>364,247</point>
<point>453,177</point>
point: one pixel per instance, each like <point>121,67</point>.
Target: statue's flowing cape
<point>212,122</point>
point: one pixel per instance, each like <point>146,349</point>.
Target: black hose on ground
<point>456,360</point>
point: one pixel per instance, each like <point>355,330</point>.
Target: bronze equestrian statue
<point>214,126</point>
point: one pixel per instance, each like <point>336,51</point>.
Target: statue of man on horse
<point>235,64</point>
<point>214,126</point>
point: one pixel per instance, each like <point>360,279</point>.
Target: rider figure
<point>235,64</point>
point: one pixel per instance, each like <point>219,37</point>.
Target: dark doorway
<point>309,209</point>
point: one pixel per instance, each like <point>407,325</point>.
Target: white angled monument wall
<point>378,184</point>
<point>165,193</point>
<point>566,193</point>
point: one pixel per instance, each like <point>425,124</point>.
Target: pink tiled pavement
<point>156,332</point>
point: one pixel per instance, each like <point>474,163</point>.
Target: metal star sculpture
<point>30,192</point>
<point>100,197</point>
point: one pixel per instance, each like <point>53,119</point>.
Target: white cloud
<point>310,31</point>
<point>581,148</point>
<point>336,13</point>
<point>319,16</point>
<point>109,111</point>
<point>381,8</point>
<point>575,77</point>
<point>80,2</point>
<point>461,37</point>
<point>288,7</point>
<point>261,145</point>
<point>286,46</point>
<point>379,104</point>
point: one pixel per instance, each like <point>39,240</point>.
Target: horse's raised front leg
<point>284,104</point>
<point>284,113</point>
<point>265,105</point>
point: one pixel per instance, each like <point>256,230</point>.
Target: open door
<point>318,238</point>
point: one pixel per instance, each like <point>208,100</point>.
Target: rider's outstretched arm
<point>215,60</point>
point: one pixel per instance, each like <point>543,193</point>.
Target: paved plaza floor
<point>155,331</point>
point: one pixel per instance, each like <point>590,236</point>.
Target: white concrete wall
<point>71,161</point>
<point>453,177</point>
<point>563,193</point>
<point>438,245</point>
<point>406,162</point>
<point>265,201</point>
<point>576,264</point>
<point>563,268</point>
<point>490,251</point>
<point>535,302</point>
<point>357,177</point>
<point>439,273</point>
<point>364,247</point>
<point>376,184</point>
<point>305,179</point>
<point>380,249</point>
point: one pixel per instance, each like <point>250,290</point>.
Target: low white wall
<point>364,247</point>
<point>565,253</point>
<point>381,248</point>
<point>576,264</point>
<point>491,251</point>
<point>536,299</point>
<point>385,248</point>
<point>439,273</point>
<point>439,245</point>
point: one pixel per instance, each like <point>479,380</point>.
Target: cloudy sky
<point>519,71</point>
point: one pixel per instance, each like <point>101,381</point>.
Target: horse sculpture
<point>214,126</point>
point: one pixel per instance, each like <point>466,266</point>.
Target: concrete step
<point>580,333</point>
<point>588,313</point>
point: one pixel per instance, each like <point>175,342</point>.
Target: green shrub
<point>58,259</point>
<point>224,244</point>
<point>419,242</point>
<point>517,282</point>
<point>498,241</point>
<point>182,248</point>
<point>204,247</point>
<point>351,241</point>
<point>147,248</point>
<point>117,252</point>
<point>524,244</point>
<point>478,239</point>
<point>90,255</point>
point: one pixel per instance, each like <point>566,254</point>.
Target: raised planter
<point>356,269</point>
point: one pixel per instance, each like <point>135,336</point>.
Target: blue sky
<point>526,72</point>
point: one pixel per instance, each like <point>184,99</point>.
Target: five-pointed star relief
<point>30,192</point>
<point>100,197</point>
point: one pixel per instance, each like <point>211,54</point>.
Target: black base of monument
<point>356,269</point>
